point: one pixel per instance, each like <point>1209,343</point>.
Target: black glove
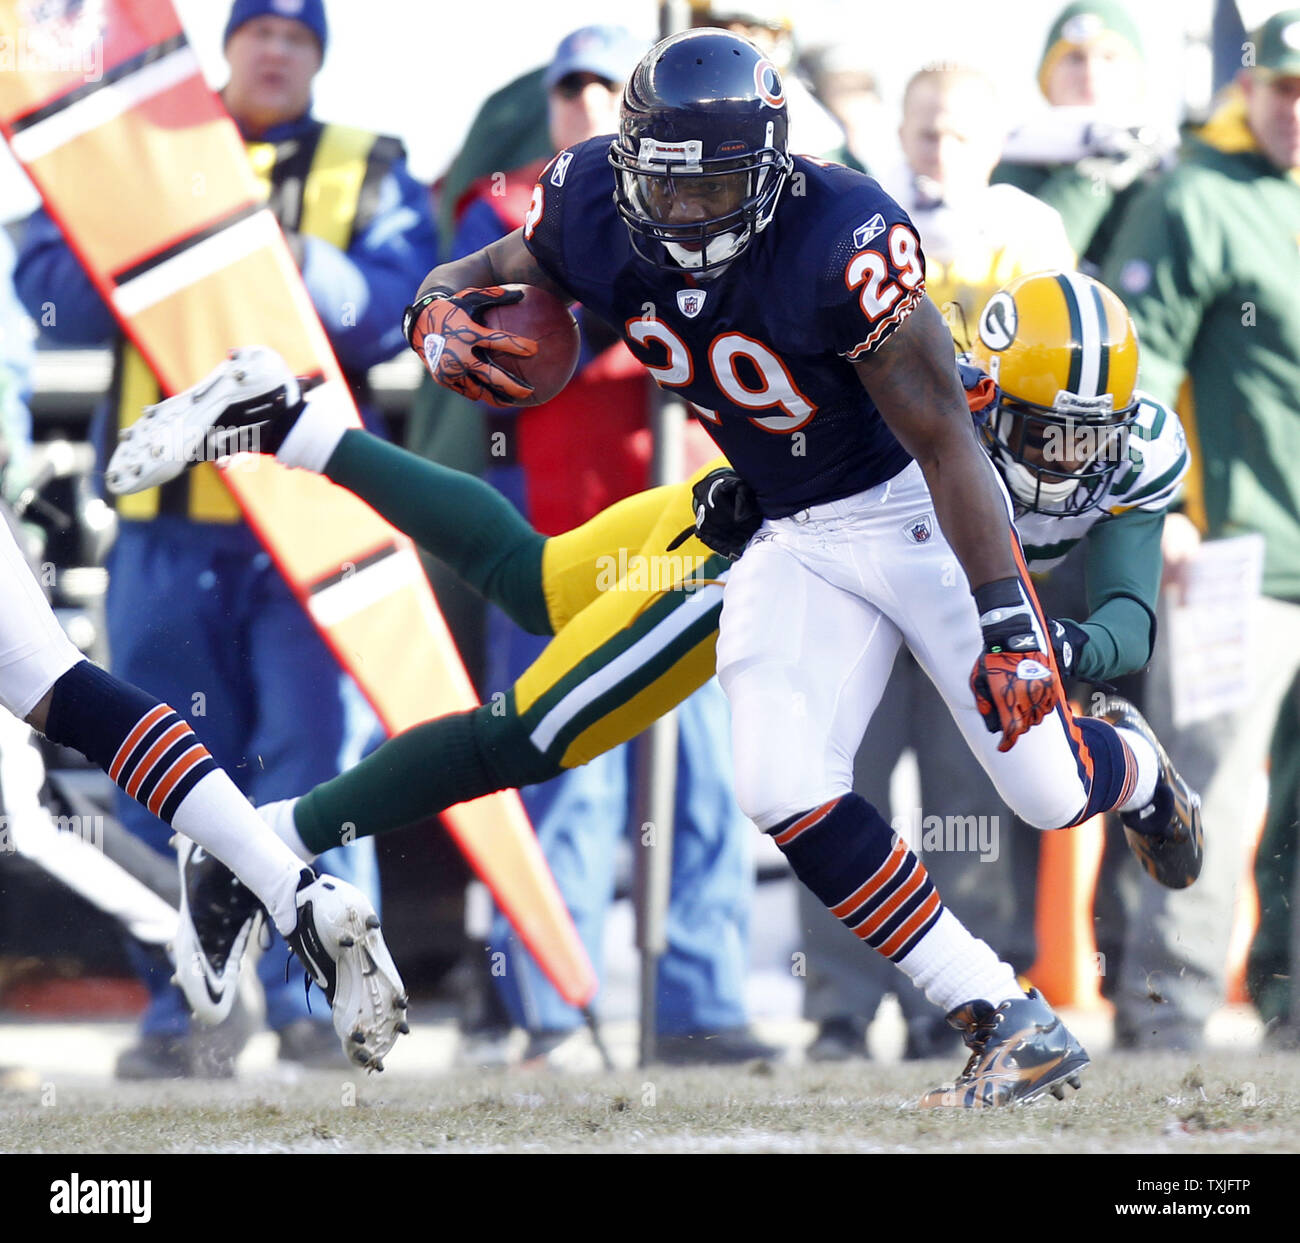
<point>726,514</point>
<point>1067,643</point>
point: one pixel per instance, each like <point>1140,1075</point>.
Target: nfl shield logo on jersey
<point>691,301</point>
<point>918,529</point>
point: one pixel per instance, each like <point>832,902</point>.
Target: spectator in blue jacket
<point>197,613</point>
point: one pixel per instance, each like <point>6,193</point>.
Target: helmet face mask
<point>1056,462</point>
<point>703,211</point>
<point>700,159</point>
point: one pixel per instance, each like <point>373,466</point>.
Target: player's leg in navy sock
<point>157,759</point>
<point>861,870</point>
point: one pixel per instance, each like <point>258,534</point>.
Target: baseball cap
<point>311,13</point>
<point>610,52</point>
<point>1081,25</point>
<point>1277,44</point>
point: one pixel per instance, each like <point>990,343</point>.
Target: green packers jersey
<point>1121,539</point>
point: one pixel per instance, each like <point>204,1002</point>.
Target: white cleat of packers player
<point>339,941</point>
<point>247,392</point>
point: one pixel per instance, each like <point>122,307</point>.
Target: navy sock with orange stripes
<point>1111,777</point>
<point>863,872</point>
<point>141,743</point>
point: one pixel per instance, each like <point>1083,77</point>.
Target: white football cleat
<point>247,404</point>
<point>338,940</point>
<point>219,916</point>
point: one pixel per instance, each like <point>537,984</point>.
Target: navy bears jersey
<point>762,351</point>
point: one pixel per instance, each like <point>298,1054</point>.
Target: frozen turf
<point>1218,1102</point>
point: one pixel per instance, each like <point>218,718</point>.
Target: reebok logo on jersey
<point>561,169</point>
<point>691,301</point>
<point>865,232</point>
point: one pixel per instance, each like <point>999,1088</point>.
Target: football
<point>543,318</point>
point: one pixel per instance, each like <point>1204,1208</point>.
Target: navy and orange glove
<point>1014,681</point>
<point>981,392</point>
<point>442,328</point>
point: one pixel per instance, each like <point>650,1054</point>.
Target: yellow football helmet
<point>1064,354</point>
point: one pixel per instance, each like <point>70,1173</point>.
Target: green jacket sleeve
<point>509,131</point>
<point>1123,563</point>
<point>1165,278</point>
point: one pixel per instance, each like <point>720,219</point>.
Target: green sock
<point>425,769</point>
<point>464,522</point>
<point>418,773</point>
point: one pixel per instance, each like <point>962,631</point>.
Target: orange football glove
<point>1013,692</point>
<point>442,328</point>
<point>1014,681</point>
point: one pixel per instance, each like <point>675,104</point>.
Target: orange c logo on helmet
<point>767,82</point>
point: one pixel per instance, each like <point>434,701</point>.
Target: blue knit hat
<point>311,13</point>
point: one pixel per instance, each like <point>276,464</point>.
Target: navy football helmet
<point>701,154</point>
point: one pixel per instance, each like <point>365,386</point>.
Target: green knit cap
<point>1277,44</point>
<point>1083,23</point>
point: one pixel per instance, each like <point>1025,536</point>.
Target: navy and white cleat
<point>1165,835</point>
<point>1019,1050</point>
<point>219,916</point>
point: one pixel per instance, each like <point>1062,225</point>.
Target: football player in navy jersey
<point>829,381</point>
<point>784,300</point>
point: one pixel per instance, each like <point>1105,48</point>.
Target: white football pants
<point>34,651</point>
<point>812,617</point>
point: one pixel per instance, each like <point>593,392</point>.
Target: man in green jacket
<point>1086,153</point>
<point>1208,261</point>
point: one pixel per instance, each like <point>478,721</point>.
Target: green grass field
<point>1218,1102</point>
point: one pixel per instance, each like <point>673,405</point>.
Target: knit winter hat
<point>1083,24</point>
<point>1277,44</point>
<point>311,13</point>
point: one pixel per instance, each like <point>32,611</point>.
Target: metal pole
<point>656,753</point>
<point>656,769</point>
<point>656,786</point>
